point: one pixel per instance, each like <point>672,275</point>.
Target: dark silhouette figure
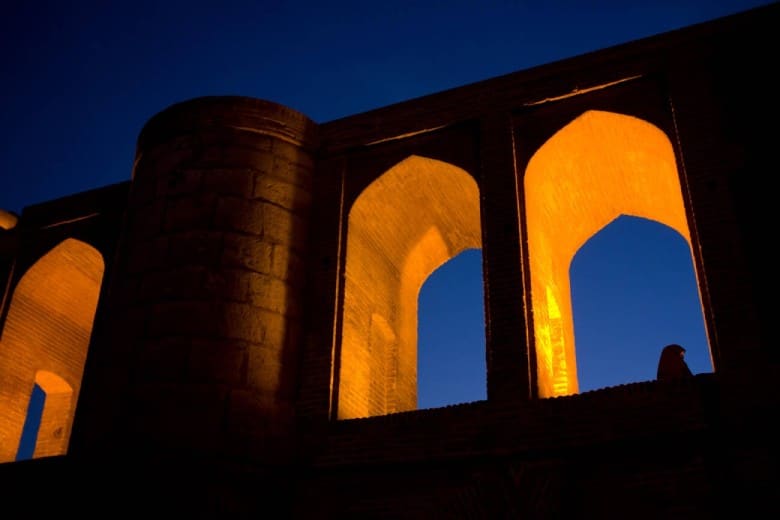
<point>672,365</point>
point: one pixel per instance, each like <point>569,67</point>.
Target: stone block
<point>281,193</point>
<point>226,284</point>
<point>269,293</point>
<point>280,226</point>
<point>247,252</point>
<point>239,214</point>
<point>239,321</point>
<point>287,265</point>
<point>274,327</point>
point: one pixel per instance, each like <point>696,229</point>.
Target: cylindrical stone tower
<point>198,348</point>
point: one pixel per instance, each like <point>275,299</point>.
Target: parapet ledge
<point>236,112</point>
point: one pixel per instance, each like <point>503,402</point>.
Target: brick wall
<point>216,357</point>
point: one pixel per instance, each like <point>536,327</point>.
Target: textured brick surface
<point>218,339</point>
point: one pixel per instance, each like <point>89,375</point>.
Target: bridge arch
<point>412,219</point>
<point>44,342</point>
<point>598,167</point>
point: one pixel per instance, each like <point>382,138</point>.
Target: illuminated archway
<point>597,167</point>
<point>46,422</point>
<point>407,223</point>
<point>44,343</point>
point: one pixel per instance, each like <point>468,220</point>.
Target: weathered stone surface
<point>258,291</point>
<point>248,252</point>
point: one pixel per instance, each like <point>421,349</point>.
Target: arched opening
<point>44,343</point>
<point>47,417</point>
<point>32,424</point>
<point>407,223</point>
<point>641,278</point>
<point>598,167</point>
<point>451,363</point>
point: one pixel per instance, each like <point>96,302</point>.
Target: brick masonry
<point>214,355</point>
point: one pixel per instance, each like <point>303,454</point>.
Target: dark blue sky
<point>79,80</point>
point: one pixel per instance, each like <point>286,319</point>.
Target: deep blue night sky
<point>79,80</point>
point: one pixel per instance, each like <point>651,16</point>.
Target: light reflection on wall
<point>7,220</point>
<point>598,167</point>
<point>407,223</point>
<point>44,342</point>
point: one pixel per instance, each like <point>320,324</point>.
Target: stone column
<point>510,361</point>
<point>199,353</point>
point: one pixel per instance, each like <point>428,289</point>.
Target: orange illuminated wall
<point>44,342</point>
<point>403,226</point>
<point>7,220</point>
<point>599,166</point>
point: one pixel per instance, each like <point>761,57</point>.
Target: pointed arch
<point>44,433</point>
<point>647,297</point>
<point>599,166</point>
<point>408,222</point>
<point>45,341</point>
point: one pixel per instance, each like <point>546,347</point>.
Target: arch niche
<point>44,343</point>
<point>412,219</point>
<point>598,167</point>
